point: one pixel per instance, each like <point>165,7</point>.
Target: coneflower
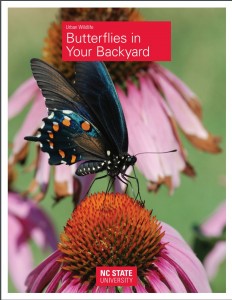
<point>116,230</point>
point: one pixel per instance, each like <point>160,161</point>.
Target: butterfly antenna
<point>174,150</point>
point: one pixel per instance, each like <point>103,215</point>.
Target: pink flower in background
<point>118,224</point>
<point>26,222</point>
<point>214,227</point>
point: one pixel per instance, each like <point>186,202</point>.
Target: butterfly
<point>85,120</point>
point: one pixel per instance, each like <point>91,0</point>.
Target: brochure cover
<point>116,150</point>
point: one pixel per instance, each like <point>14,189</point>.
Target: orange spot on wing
<point>55,127</point>
<point>51,135</point>
<point>51,144</point>
<point>86,126</point>
<point>66,122</point>
<point>73,159</point>
<point>62,154</point>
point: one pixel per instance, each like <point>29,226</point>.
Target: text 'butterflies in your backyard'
<point>85,120</point>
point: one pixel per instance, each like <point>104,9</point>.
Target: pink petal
<point>43,274</point>
<point>185,117</point>
<point>99,289</point>
<point>170,275</point>
<point>31,123</point>
<point>146,133</point>
<point>53,285</point>
<point>214,259</point>
<point>180,253</point>
<point>63,174</point>
<point>73,286</point>
<point>84,288</point>
<point>20,256</point>
<point>22,96</point>
<point>178,83</point>
<point>111,289</point>
<point>127,289</point>
<point>63,181</point>
<point>140,287</point>
<point>156,283</point>
<point>42,175</point>
<point>214,225</point>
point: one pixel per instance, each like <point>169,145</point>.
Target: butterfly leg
<point>110,184</point>
<point>137,181</point>
<point>128,182</point>
<point>125,182</point>
<point>96,178</point>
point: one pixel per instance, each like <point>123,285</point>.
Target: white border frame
<point>4,127</point>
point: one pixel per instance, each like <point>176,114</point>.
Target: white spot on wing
<point>108,152</point>
<point>42,125</point>
<point>67,118</point>
<point>67,112</point>
<point>63,162</point>
<point>51,115</point>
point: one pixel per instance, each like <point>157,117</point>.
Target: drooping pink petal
<point>186,117</point>
<point>31,123</point>
<point>170,275</point>
<point>152,126</point>
<point>43,274</point>
<point>187,120</point>
<point>214,259</point>
<point>214,225</point>
<point>182,88</point>
<point>182,255</point>
<point>156,283</point>
<point>63,181</point>
<point>22,96</point>
<point>20,256</point>
<point>39,184</point>
<point>140,288</point>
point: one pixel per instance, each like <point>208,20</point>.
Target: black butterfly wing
<point>93,83</point>
<point>56,89</point>
<point>69,123</point>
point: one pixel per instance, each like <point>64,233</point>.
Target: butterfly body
<point>114,165</point>
<point>85,120</point>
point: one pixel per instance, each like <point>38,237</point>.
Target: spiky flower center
<point>109,230</point>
